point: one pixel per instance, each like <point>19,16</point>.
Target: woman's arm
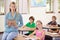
<point>7,22</point>
<point>20,21</point>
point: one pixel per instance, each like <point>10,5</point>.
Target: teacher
<point>13,20</point>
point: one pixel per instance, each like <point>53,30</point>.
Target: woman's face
<point>31,20</point>
<point>39,25</point>
<point>12,7</point>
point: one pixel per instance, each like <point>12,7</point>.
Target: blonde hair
<point>10,5</point>
<point>38,21</point>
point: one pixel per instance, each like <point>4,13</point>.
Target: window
<point>17,4</point>
<point>50,6</point>
<point>2,7</point>
<point>59,6</point>
<point>23,6</point>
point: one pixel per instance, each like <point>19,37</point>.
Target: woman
<point>40,33</point>
<point>13,20</point>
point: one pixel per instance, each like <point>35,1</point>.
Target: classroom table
<point>22,37</point>
<point>53,35</point>
<point>25,29</point>
<point>19,37</point>
<point>31,38</point>
<point>51,28</point>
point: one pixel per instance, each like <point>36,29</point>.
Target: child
<point>53,23</point>
<point>30,25</point>
<point>40,33</point>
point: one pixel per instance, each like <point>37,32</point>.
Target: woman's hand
<point>14,23</point>
<point>9,23</point>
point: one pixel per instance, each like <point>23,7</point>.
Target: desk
<point>51,28</point>
<point>24,29</point>
<point>21,37</point>
<point>56,35</point>
<point>31,38</point>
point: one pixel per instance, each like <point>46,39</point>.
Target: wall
<point>40,14</point>
<point>37,12</point>
<point>1,23</point>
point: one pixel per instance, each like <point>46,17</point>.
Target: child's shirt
<point>31,26</point>
<point>52,23</point>
<point>39,34</point>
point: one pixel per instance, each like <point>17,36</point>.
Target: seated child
<point>30,25</point>
<point>40,33</point>
<point>53,23</point>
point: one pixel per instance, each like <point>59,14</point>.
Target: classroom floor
<point>1,36</point>
<point>45,39</point>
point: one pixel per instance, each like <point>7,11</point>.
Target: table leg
<point>53,38</point>
<point>48,30</point>
<point>19,31</point>
<point>22,32</point>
